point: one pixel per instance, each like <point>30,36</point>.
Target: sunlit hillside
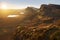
<point>30,23</point>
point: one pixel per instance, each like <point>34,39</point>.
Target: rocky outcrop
<point>50,10</point>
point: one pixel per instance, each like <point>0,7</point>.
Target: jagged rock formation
<point>40,24</point>
<point>50,10</point>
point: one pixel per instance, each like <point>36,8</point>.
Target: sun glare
<point>4,6</point>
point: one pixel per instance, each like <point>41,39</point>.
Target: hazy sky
<point>25,3</point>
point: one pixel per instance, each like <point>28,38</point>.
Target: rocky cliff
<point>50,10</point>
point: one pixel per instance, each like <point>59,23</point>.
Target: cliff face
<point>50,10</point>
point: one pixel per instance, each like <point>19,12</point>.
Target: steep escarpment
<point>50,10</point>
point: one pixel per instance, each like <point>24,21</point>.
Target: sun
<point>4,6</point>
